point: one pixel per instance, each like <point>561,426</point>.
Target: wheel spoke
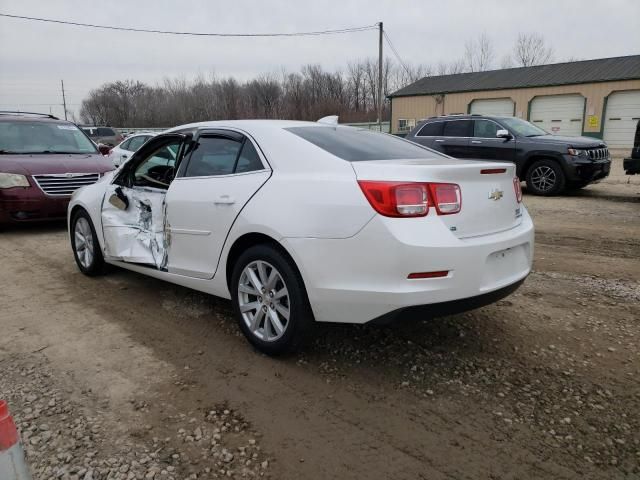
<point>272,280</point>
<point>262,273</point>
<point>275,322</point>
<point>253,278</point>
<point>248,289</point>
<point>282,310</point>
<point>255,321</point>
<point>79,241</point>
<point>247,307</point>
<point>281,293</point>
<point>266,328</point>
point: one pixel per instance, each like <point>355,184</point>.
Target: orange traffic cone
<point>12,464</point>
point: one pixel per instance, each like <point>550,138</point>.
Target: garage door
<point>495,106</point>
<point>558,114</point>
<point>621,118</point>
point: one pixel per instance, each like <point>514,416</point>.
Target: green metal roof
<point>568,73</point>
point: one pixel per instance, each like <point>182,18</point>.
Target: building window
<point>406,124</point>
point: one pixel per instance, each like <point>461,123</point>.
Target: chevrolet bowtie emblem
<point>495,194</point>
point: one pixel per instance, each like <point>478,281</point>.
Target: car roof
<point>248,124</point>
<point>30,118</point>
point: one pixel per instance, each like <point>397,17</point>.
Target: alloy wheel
<point>543,178</point>
<point>83,238</point>
<point>264,301</point>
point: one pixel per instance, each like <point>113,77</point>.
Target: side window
<point>213,156</point>
<point>457,128</point>
<point>158,169</point>
<point>249,159</point>
<point>433,129</point>
<point>485,129</point>
<point>136,142</point>
<point>125,145</point>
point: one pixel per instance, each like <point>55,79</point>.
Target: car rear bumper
<point>362,278</point>
<point>447,308</point>
<point>23,205</point>
<point>586,171</point>
<point>631,166</point>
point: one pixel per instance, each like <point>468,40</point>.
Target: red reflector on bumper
<point>490,171</point>
<point>415,276</point>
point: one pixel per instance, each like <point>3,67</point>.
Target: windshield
<point>43,137</point>
<point>357,145</point>
<point>522,127</point>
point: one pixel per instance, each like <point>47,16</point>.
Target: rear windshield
<point>106,132</point>
<point>43,137</point>
<point>357,145</point>
<point>92,132</point>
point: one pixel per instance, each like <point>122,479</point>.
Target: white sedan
<point>123,151</point>
<point>301,222</point>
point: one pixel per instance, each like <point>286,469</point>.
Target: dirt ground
<point>136,378</point>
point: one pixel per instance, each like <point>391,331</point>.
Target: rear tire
<point>85,245</point>
<point>545,177</point>
<point>269,300</point>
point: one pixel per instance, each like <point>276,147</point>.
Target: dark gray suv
<point>550,164</point>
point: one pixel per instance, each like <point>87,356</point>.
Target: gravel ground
<point>126,377</point>
<point>71,439</point>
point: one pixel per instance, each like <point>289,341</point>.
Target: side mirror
<point>503,134</point>
<point>104,149</point>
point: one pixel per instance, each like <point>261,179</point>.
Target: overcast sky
<point>34,56</point>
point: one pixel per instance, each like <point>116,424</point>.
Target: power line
<point>395,52</point>
<point>196,34</point>
<point>37,104</point>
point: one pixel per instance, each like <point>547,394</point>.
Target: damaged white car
<point>298,222</point>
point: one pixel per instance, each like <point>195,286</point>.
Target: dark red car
<point>43,160</point>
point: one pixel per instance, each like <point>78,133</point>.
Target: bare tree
<point>403,75</point>
<point>478,54</point>
<point>308,94</point>
<point>506,62</point>
<point>531,49</point>
<point>456,66</point>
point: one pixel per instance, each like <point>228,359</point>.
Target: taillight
<point>397,199</point>
<point>518,189</point>
<point>447,197</point>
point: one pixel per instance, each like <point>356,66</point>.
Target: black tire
<point>97,265</point>
<point>300,322</point>
<point>555,179</point>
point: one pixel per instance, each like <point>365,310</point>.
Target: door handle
<point>439,140</point>
<point>224,200</point>
<point>476,141</point>
<point>124,156</point>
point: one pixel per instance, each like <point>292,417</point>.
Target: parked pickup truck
<point>632,165</point>
<point>550,164</point>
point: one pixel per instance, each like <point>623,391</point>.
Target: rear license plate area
<point>505,266</point>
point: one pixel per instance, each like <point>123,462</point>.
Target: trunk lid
<point>489,203</point>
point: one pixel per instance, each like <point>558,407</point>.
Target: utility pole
<point>380,76</point>
<point>64,101</point>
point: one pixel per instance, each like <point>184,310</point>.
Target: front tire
<point>545,177</point>
<point>269,300</point>
<point>85,245</point>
